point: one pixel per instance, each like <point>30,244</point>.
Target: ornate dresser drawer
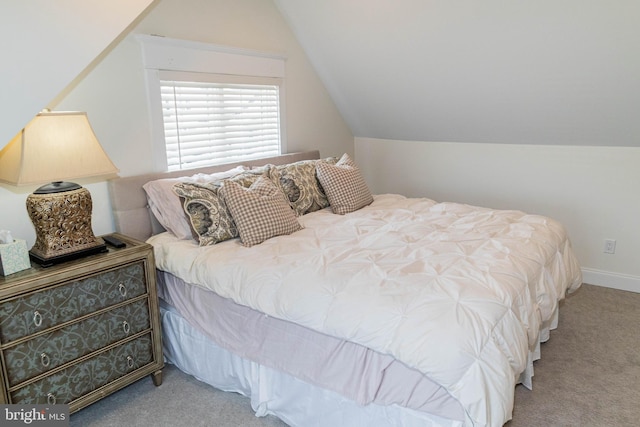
<point>41,310</point>
<point>79,379</point>
<point>78,331</point>
<point>48,351</point>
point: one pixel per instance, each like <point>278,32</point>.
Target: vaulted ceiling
<point>534,72</point>
<point>46,45</point>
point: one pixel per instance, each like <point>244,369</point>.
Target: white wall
<point>46,44</point>
<point>593,191</point>
<point>114,96</point>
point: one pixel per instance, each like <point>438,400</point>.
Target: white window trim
<point>167,54</point>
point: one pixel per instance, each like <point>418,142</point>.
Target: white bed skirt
<point>295,402</point>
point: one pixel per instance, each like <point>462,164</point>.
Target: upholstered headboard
<point>129,201</point>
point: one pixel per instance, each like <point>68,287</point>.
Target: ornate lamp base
<point>62,221</point>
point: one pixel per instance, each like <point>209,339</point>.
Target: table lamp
<point>53,147</point>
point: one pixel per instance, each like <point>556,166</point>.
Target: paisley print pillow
<point>299,183</point>
<point>206,211</point>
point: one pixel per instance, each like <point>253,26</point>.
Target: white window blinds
<point>208,123</point>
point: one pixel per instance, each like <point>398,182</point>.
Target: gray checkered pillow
<point>344,185</point>
<point>260,212</point>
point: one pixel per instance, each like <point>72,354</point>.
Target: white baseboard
<point>611,280</point>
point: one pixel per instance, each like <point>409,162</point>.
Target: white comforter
<point>456,291</point>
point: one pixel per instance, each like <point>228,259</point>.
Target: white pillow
<point>166,206</point>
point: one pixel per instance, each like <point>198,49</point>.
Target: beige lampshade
<point>54,146</point>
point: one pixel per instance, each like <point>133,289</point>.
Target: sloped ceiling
<point>535,72</point>
<point>46,44</point>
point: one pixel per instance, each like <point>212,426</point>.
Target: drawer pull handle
<point>44,359</point>
<point>51,399</point>
<point>130,361</point>
<point>125,327</point>
<point>123,289</point>
<point>37,318</point>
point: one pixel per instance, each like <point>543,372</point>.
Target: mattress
<point>457,292</point>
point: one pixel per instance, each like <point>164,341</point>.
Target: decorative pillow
<point>166,206</point>
<point>344,185</point>
<point>299,183</point>
<point>260,211</point>
<point>209,220</point>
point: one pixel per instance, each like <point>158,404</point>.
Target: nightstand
<point>78,331</point>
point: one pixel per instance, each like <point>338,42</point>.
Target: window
<point>212,105</point>
<point>213,123</point>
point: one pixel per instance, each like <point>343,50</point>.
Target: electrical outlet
<point>609,246</point>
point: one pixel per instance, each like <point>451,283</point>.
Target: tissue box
<point>14,257</point>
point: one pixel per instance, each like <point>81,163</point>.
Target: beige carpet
<point>589,375</point>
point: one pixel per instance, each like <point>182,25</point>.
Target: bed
<point>402,312</point>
